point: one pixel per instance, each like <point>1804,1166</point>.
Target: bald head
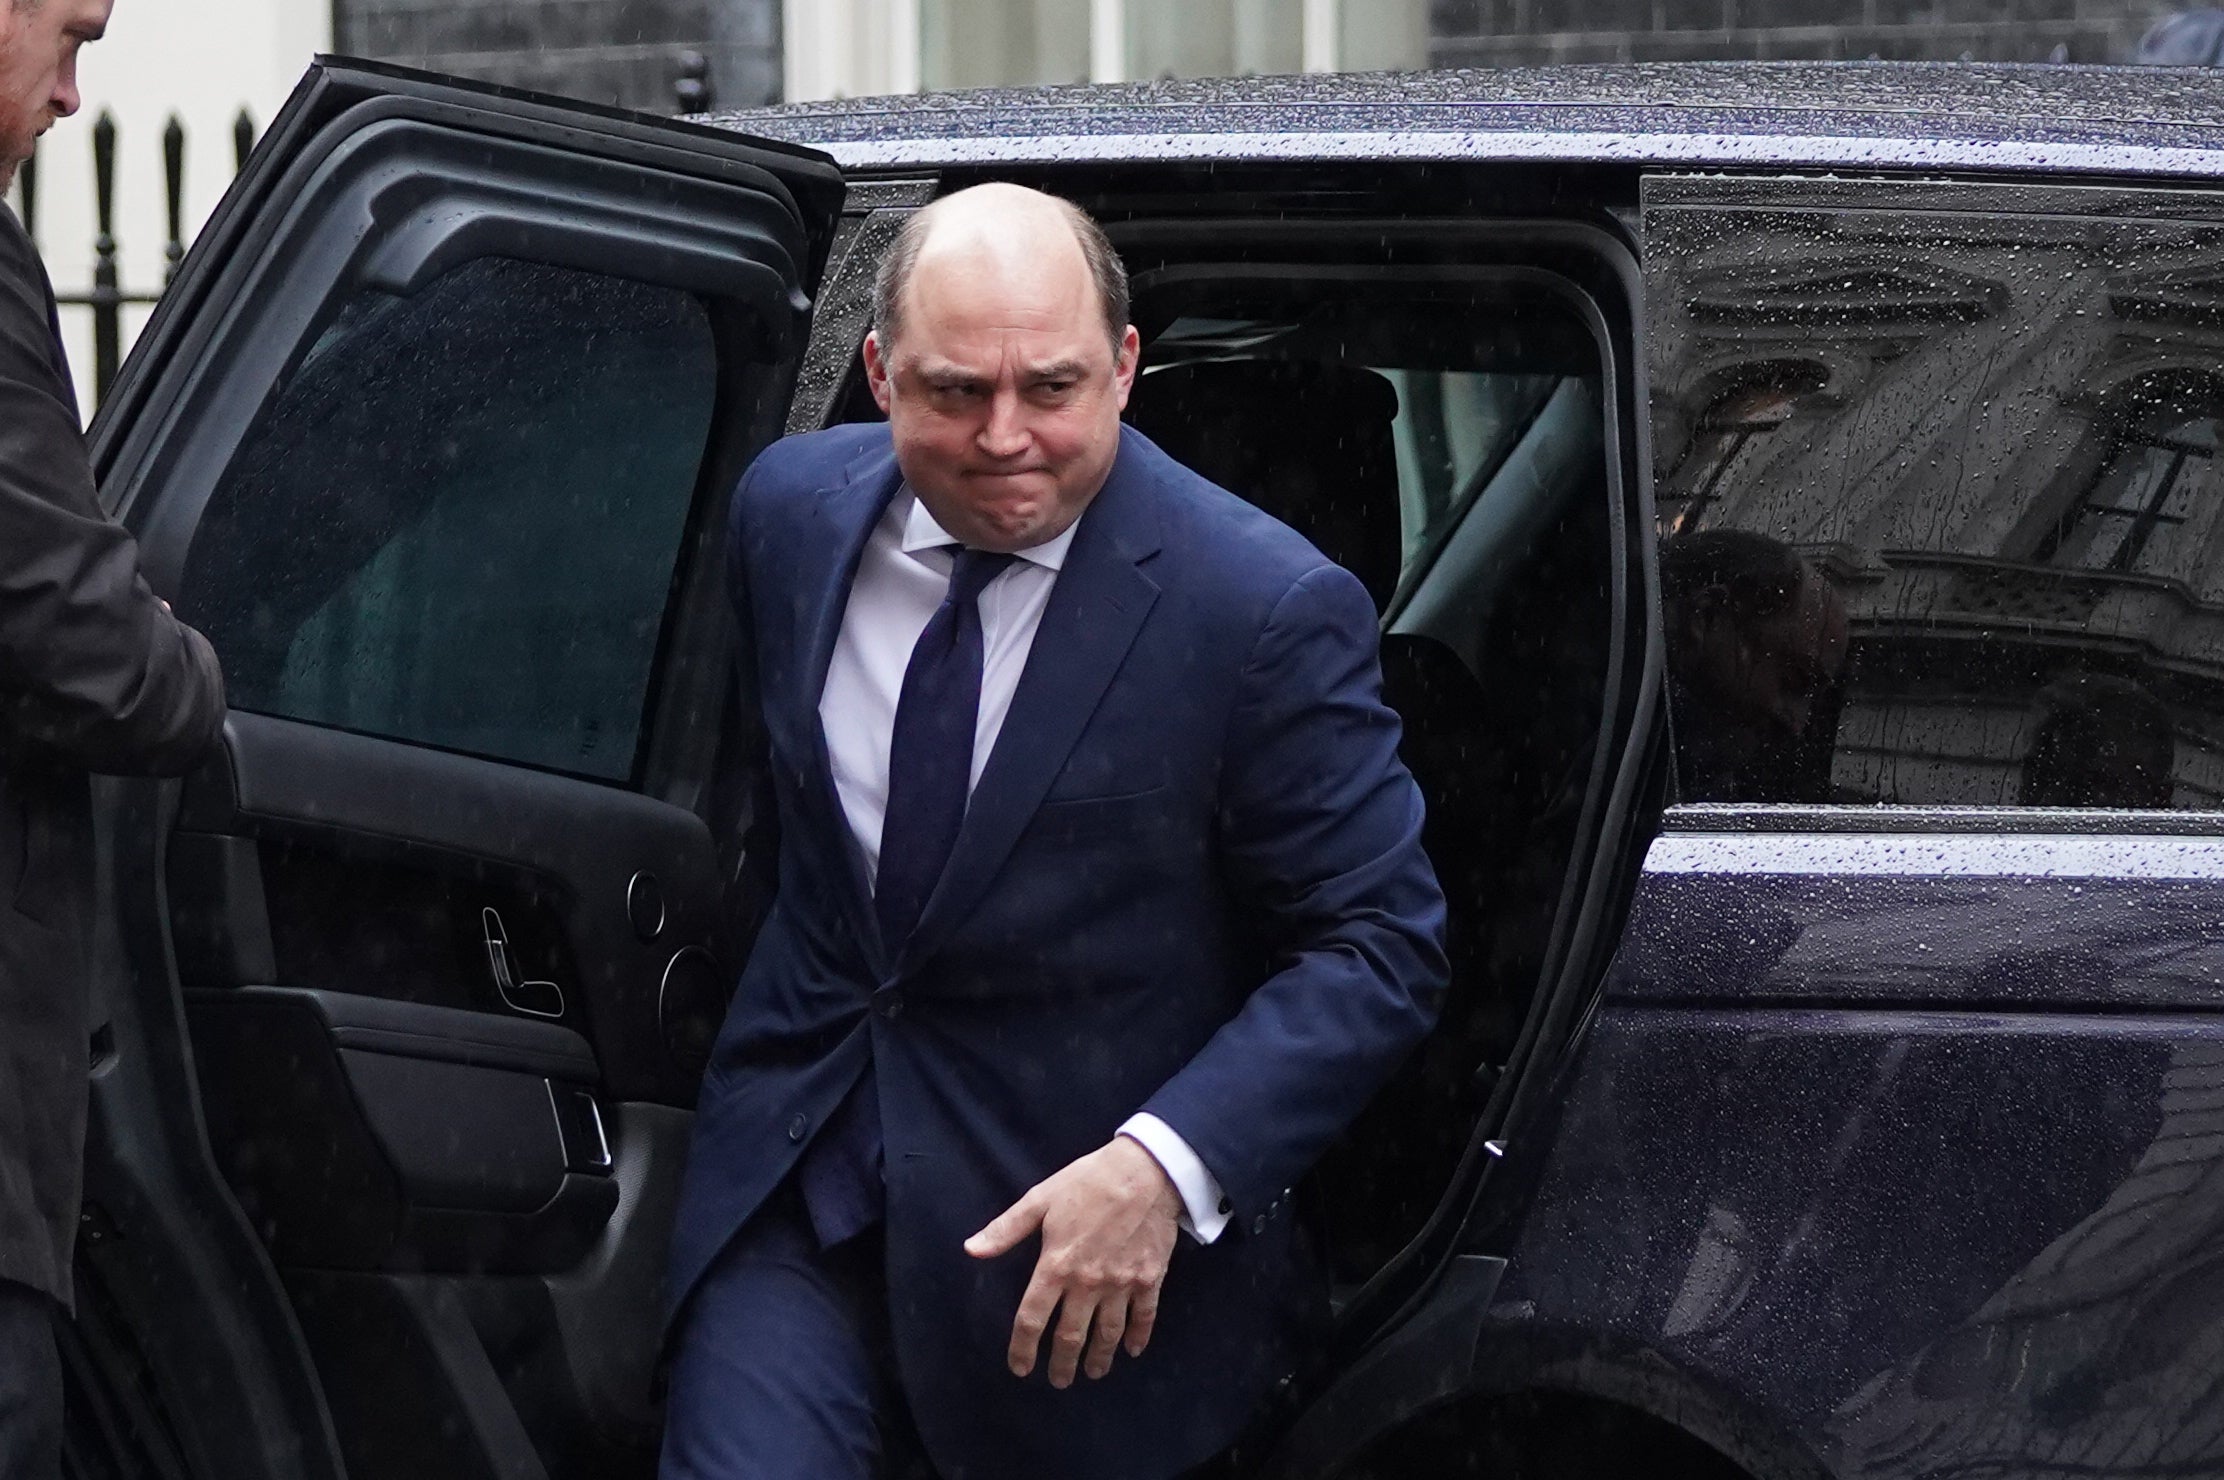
<point>991,231</point>
<point>1003,357</point>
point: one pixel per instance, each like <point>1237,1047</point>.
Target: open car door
<point>409,990</point>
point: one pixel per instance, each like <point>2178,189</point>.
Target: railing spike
<point>691,92</point>
<point>173,181</point>
<point>104,171</point>
<point>243,139</point>
<point>107,298</point>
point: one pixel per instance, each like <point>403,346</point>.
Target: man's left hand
<point>1108,1223</point>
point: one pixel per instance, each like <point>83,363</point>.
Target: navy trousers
<point>782,1367</point>
<point>30,1386</point>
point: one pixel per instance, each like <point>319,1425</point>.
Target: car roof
<point>2051,119</point>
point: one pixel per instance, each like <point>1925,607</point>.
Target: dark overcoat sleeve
<point>94,671</point>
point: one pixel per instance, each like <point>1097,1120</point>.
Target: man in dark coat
<point>95,675</point>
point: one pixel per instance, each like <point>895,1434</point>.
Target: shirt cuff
<point>1205,1209</point>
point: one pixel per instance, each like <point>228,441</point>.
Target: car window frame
<point>687,718</point>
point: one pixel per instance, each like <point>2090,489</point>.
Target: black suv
<point>1793,498</point>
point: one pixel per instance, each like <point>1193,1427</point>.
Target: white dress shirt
<point>901,579</point>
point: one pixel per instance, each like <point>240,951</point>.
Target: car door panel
<point>432,437</point>
<point>438,840</point>
<point>1905,1184</point>
<point>403,1135</point>
<point>426,1122</point>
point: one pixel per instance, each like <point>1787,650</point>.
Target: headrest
<point>1308,442</point>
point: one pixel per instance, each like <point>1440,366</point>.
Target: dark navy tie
<point>930,751</point>
<point>930,772</point>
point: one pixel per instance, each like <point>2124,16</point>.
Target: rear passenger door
<point>430,440</point>
<point>1901,1119</point>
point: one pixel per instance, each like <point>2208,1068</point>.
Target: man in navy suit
<point>1099,908</point>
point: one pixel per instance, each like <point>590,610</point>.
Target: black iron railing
<point>108,296</point>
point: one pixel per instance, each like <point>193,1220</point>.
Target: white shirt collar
<point>921,532</point>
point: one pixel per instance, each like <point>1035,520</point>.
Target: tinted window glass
<point>1940,506</point>
<point>456,522</point>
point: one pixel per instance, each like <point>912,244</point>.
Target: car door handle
<point>540,999</point>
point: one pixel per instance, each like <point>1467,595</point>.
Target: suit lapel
<point>1088,626</point>
<point>847,513</point>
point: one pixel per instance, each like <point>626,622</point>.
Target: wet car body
<point>1857,1115</point>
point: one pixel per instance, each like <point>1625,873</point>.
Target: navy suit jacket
<point>1190,881</point>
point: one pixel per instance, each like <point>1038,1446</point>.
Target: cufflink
<point>1226,1207</point>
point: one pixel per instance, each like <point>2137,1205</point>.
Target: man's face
<point>39,42</point>
<point>1002,387</point>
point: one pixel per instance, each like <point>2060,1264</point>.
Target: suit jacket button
<point>1258,1224</point>
<point>799,1127</point>
<point>1226,1207</point>
<point>889,1004</point>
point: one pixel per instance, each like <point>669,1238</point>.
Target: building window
<point>856,48</point>
<point>2145,509</point>
<point>1214,38</point>
<point>1002,43</point>
<point>2125,521</point>
<point>1382,36</point>
<point>1730,433</point>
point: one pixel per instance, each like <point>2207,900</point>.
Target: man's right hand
<point>1108,1224</point>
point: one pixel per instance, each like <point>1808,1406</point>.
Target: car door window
<point>427,436</point>
<point>1939,503</point>
<point>457,521</point>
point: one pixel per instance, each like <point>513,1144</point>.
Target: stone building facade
<point>1514,33</point>
<point>628,52</point>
